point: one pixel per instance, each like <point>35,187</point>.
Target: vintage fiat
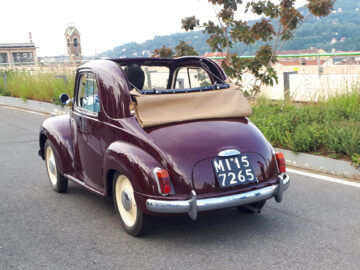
<point>161,137</point>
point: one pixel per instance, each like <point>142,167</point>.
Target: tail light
<point>280,160</point>
<point>163,181</point>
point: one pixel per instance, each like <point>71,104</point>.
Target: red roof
<point>214,54</point>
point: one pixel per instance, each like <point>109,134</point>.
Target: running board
<point>77,181</point>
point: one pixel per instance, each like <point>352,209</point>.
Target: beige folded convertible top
<point>158,109</point>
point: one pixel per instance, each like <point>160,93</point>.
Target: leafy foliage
<point>182,49</point>
<point>320,7</point>
<point>164,51</point>
<point>331,127</point>
<point>229,31</point>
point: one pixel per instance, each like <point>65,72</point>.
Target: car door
<point>87,137</point>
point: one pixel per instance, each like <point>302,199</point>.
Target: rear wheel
<point>132,219</point>
<point>58,182</point>
<point>252,207</point>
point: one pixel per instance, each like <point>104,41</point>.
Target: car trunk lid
<point>190,147</point>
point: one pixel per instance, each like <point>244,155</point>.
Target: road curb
<point>33,105</point>
<point>299,160</point>
<point>321,164</point>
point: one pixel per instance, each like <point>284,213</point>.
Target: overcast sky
<point>103,24</point>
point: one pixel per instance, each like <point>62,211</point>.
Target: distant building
<point>302,57</point>
<point>57,58</point>
<point>17,53</point>
<point>302,52</point>
<point>306,62</point>
<point>72,36</point>
<point>215,54</point>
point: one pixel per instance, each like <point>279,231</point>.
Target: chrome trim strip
<point>77,181</point>
<point>90,117</point>
<point>229,153</point>
<point>192,206</point>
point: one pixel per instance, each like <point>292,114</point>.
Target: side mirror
<point>65,99</point>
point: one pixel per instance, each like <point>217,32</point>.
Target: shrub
<point>4,92</point>
<point>329,127</point>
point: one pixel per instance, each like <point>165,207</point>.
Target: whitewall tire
<point>58,182</point>
<point>131,217</point>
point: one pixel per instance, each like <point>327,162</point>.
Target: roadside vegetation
<point>330,128</point>
<point>39,86</point>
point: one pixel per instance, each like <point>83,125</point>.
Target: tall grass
<point>42,86</point>
<point>329,127</point>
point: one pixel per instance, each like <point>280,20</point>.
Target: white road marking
<point>325,178</point>
<point>22,110</point>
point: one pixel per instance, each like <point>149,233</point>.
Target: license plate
<point>233,171</point>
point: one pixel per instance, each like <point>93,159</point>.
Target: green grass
<point>330,128</point>
<point>42,86</point>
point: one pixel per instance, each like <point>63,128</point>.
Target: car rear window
<point>147,77</point>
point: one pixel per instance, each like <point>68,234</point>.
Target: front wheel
<point>132,219</point>
<point>58,182</point>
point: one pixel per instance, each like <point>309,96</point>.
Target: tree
<point>164,51</point>
<point>184,49</point>
<point>278,23</point>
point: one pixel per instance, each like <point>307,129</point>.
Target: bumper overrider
<point>193,206</point>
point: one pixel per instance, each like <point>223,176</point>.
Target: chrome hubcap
<point>52,166</point>
<point>126,200</point>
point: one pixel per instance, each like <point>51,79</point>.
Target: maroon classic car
<point>161,137</point>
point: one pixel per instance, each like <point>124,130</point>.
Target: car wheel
<point>58,182</point>
<point>252,207</point>
<point>132,219</point>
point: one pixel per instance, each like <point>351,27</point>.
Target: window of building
<point>3,58</point>
<point>76,42</point>
<point>68,42</point>
<point>23,57</point>
<point>88,93</point>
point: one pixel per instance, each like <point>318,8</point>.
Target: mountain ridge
<point>339,31</point>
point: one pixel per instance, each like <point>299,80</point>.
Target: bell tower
<point>72,36</point>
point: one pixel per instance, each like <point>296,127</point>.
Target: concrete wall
<point>310,85</point>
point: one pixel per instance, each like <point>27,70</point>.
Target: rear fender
<point>58,131</point>
<point>133,162</point>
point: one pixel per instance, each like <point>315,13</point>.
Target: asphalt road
<point>316,227</point>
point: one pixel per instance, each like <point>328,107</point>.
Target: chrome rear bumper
<point>193,206</point>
